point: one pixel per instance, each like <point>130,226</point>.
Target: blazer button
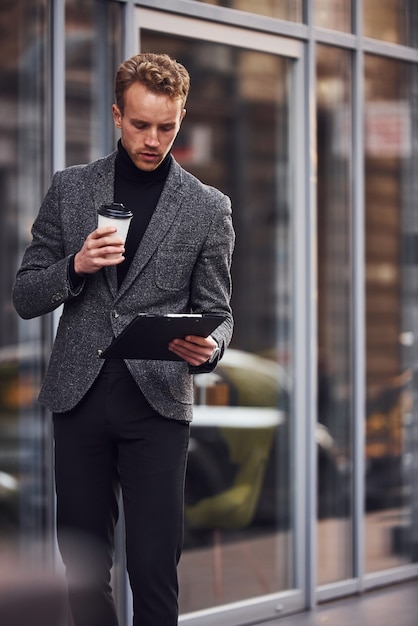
<point>115,315</point>
<point>99,352</point>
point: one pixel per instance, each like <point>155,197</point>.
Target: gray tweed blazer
<point>182,264</point>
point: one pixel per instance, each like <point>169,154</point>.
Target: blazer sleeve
<point>42,282</point>
<point>211,284</point>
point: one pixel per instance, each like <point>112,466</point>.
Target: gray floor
<point>392,606</point>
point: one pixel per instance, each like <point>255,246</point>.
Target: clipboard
<point>148,336</point>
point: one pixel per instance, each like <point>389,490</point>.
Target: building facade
<point>304,447</point>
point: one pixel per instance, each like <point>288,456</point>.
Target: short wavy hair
<point>159,73</point>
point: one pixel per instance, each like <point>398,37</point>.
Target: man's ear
<point>117,116</point>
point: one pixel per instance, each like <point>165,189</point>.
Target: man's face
<point>149,125</point>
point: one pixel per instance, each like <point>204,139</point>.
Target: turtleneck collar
<point>126,168</point>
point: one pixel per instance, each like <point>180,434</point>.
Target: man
<point>126,423</point>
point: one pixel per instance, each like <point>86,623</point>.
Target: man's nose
<point>151,138</point>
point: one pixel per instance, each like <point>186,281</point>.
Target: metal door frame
<point>303,238</point>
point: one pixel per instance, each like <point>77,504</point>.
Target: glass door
<point>244,546</point>
<point>391,318</point>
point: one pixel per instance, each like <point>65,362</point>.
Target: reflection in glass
<point>391,320</point>
<point>394,21</point>
<point>93,52</point>
<point>334,432</point>
<point>282,9</point>
<point>23,509</point>
<point>335,14</point>
<point>238,539</point>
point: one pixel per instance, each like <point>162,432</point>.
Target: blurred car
<point>247,391</point>
<point>21,437</point>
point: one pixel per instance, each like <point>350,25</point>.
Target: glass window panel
<point>394,21</point>
<point>335,14</point>
<point>334,434</point>
<point>236,137</point>
<point>23,166</point>
<point>93,52</point>
<point>391,312</point>
<point>283,9</point>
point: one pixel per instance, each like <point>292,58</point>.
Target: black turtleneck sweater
<point>139,191</point>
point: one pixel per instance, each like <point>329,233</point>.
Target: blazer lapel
<point>103,193</point>
<point>161,220</point>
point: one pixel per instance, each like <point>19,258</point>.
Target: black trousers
<point>113,439</point>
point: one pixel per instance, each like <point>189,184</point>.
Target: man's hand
<point>193,349</point>
<point>93,255</point>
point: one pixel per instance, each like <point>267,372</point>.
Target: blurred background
<point>301,482</point>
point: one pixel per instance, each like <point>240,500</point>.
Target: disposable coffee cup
<point>118,215</point>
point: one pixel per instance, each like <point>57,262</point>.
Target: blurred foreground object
<point>30,596</point>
